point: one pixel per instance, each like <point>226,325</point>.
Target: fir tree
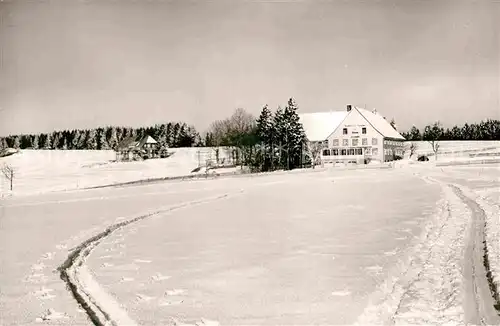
<point>25,141</point>
<point>209,140</point>
<point>295,135</point>
<point>102,143</point>
<point>162,135</point>
<point>279,132</point>
<point>265,132</point>
<point>113,138</point>
<point>17,143</point>
<point>175,134</point>
<point>456,133</point>
<point>133,133</point>
<point>119,134</point>
<point>55,140</point>
<point>35,142</point>
<point>48,142</point>
<point>3,143</point>
<point>415,134</point>
<point>91,139</point>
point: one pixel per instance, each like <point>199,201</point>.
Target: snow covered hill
<point>38,171</point>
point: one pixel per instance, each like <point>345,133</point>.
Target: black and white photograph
<point>249,162</point>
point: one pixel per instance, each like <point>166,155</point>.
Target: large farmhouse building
<point>355,135</point>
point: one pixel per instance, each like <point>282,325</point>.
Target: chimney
<point>349,108</point>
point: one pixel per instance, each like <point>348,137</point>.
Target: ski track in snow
<point>99,305</point>
<point>428,286</point>
<point>425,286</point>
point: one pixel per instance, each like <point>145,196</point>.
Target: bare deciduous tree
<point>8,172</point>
<point>413,148</point>
<point>432,134</point>
<point>435,148</point>
<point>229,132</point>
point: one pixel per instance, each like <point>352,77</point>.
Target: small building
<point>353,136</point>
<point>132,149</point>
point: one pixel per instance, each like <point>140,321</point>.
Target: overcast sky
<point>71,64</point>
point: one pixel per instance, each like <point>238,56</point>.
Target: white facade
<point>359,137</point>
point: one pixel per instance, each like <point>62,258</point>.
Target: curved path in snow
<point>37,233</point>
<point>99,305</point>
<point>481,299</point>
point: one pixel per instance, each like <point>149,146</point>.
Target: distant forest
<point>485,130</point>
<point>172,134</point>
<point>180,134</point>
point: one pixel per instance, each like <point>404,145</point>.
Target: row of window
<point>355,142</point>
<point>349,151</point>
<point>392,142</point>
<point>396,151</point>
<point>345,131</point>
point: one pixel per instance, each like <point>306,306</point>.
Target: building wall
<point>370,143</point>
<point>392,148</point>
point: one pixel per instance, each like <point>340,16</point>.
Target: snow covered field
<point>39,171</point>
<point>290,251</point>
<point>330,247</point>
<point>458,150</point>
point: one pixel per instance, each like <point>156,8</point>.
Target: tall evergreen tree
<point>280,136</point>
<point>34,142</point>
<point>265,132</point>
<point>295,135</point>
<point>102,142</point>
<point>25,141</point>
<point>64,145</point>
<point>456,133</point>
<point>91,139</point>
<point>17,142</point>
<point>3,143</point>
<point>415,134</point>
<point>113,138</point>
<point>168,134</point>
<point>161,136</point>
<point>48,141</point>
<point>55,140</point>
<point>175,133</point>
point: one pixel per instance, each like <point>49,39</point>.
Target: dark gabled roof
<point>146,140</point>
<point>128,142</point>
<point>134,143</point>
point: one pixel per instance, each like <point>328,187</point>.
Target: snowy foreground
<point>331,247</point>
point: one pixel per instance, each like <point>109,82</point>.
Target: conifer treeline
<point>272,141</point>
<point>484,130</point>
<point>179,134</point>
<point>172,134</point>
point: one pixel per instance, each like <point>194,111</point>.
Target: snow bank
<point>456,149</point>
<point>426,285</point>
<point>491,209</point>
